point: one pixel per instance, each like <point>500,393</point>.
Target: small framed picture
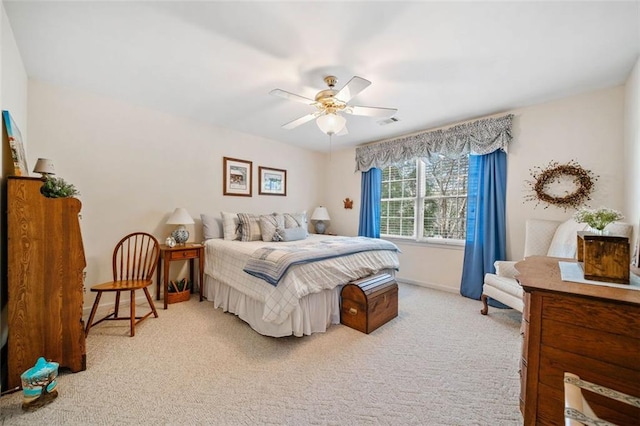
<point>272,181</point>
<point>237,177</point>
<point>16,145</point>
<point>636,254</point>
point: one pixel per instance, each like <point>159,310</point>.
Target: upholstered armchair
<point>542,238</point>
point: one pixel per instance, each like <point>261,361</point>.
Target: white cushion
<point>230,228</point>
<point>295,220</point>
<point>504,290</point>
<point>538,236</point>
<point>564,242</point>
<point>505,268</point>
<point>506,285</point>
<point>210,226</point>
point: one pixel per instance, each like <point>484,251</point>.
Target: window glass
<point>439,188</point>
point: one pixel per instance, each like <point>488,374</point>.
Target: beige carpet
<point>439,363</point>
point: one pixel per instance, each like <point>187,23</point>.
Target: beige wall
<point>13,98</point>
<point>632,150</point>
<point>586,128</point>
<point>134,166</point>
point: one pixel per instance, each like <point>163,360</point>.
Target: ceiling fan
<point>330,103</point>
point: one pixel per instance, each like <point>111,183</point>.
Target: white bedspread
<point>225,260</point>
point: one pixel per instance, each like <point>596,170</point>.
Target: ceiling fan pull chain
<point>330,145</point>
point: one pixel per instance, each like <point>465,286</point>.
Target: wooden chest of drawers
<point>589,330</point>
<point>369,302</point>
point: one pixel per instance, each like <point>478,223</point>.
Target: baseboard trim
<point>429,285</point>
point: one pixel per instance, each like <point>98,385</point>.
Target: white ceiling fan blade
<point>292,96</point>
<point>352,88</point>
<point>370,111</point>
<point>298,121</point>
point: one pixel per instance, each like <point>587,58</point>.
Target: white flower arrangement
<point>599,218</point>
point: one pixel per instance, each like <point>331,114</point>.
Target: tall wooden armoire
<point>45,279</point>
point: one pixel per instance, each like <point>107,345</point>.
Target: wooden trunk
<point>45,279</point>
<point>605,258</point>
<point>369,302</point>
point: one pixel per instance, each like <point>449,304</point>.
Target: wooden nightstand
<point>188,251</point>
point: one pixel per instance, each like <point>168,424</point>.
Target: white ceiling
<point>436,62</point>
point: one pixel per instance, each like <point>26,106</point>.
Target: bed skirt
<point>315,313</point>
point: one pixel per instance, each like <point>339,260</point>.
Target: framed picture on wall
<point>636,254</point>
<point>237,177</point>
<point>16,145</point>
<point>272,181</point>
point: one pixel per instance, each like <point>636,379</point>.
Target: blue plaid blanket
<point>272,262</point>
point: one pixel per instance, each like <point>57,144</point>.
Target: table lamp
<point>180,217</point>
<point>44,166</point>
<point>320,214</point>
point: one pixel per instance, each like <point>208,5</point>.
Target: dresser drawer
<point>184,254</point>
<point>597,315</point>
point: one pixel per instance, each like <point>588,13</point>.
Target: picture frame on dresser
<point>272,181</point>
<point>237,177</point>
<point>16,145</point>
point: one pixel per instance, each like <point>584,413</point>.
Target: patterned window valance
<point>477,137</point>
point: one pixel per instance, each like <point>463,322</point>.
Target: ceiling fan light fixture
<point>331,123</point>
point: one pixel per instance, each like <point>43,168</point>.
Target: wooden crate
<point>369,302</point>
<point>604,257</point>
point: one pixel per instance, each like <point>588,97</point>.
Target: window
<point>431,195</point>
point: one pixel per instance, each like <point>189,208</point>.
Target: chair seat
<point>122,285</point>
<point>503,289</point>
<point>506,285</point>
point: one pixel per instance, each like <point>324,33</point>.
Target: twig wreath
<point>544,177</point>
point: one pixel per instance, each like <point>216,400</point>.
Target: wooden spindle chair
<point>134,261</point>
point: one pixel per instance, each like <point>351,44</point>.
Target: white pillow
<point>210,226</point>
<point>292,234</point>
<point>565,240</point>
<point>294,220</point>
<point>230,228</point>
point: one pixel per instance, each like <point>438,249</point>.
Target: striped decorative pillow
<point>269,224</point>
<point>249,227</point>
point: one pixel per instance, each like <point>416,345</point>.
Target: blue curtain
<point>370,204</point>
<point>486,228</point>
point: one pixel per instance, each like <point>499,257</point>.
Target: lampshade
<point>320,213</point>
<point>331,123</point>
<point>44,166</point>
<point>180,216</point>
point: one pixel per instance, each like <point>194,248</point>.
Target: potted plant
<point>56,187</point>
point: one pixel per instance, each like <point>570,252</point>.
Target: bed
<point>305,300</point>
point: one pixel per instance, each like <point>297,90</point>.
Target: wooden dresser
<point>589,330</point>
<point>45,279</point>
